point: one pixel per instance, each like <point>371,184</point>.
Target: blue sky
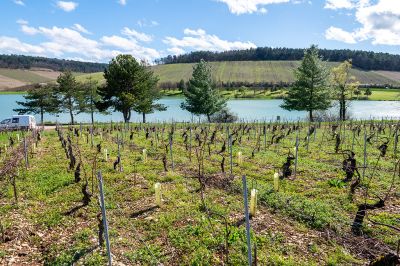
<point>97,30</point>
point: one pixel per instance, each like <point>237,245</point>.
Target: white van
<point>19,122</point>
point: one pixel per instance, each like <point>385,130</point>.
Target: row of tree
<point>366,60</point>
<point>130,86</point>
<point>28,62</point>
<point>315,87</point>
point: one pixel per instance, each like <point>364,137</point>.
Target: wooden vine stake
<point>246,216</point>
<point>171,152</point>
<point>276,181</point>
<point>158,195</point>
<point>144,155</point>
<point>296,150</point>
<point>103,213</point>
<point>106,155</point>
<point>253,202</point>
<point>239,158</point>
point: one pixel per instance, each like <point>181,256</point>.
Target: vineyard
<point>272,193</point>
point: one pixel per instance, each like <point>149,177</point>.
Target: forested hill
<point>361,59</point>
<point>29,62</point>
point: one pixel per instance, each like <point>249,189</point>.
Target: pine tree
<point>89,97</point>
<point>68,91</point>
<point>39,100</point>
<point>130,86</point>
<point>201,95</point>
<point>309,91</point>
<point>148,94</point>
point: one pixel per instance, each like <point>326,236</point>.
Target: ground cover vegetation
<point>327,194</point>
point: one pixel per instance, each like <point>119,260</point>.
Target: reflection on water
<point>249,110</point>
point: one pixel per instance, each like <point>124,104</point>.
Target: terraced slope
<point>256,71</point>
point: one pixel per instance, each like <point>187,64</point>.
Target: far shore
<point>259,94</point>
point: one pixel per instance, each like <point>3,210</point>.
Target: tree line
<point>366,60</point>
<point>132,86</point>
<point>28,62</point>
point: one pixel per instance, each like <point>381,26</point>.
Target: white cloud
<point>200,40</point>
<point>80,28</point>
<point>19,2</point>
<point>22,22</point>
<point>122,2</point>
<point>144,23</point>
<point>239,7</point>
<point>176,50</point>
<point>338,34</point>
<point>198,32</point>
<point>136,35</point>
<point>131,46</point>
<point>380,23</point>
<point>69,43</point>
<point>67,6</point>
<point>9,45</point>
<point>28,30</point>
<point>339,4</point>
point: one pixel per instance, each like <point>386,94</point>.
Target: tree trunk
<point>144,117</point>
<point>209,118</point>
<point>41,117</point>
<point>70,107</point>
<point>344,111</point>
<point>127,115</point>
<point>342,103</point>
<point>72,116</point>
<point>311,116</point>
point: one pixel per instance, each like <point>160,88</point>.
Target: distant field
<point>23,75</point>
<point>256,71</point>
<point>236,71</point>
<point>13,79</point>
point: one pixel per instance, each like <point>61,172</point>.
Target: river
<point>249,110</point>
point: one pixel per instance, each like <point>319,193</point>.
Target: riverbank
<point>377,94</point>
<point>258,94</point>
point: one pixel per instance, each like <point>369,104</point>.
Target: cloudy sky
<point>97,30</point>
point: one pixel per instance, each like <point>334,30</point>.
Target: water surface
<point>249,110</point>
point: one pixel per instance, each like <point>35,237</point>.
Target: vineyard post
<point>344,133</point>
<point>103,213</point>
<point>396,139</point>
<point>26,154</point>
<point>119,154</point>
<point>171,152</point>
<point>265,137</point>
<point>308,136</point>
<point>315,132</point>
<point>246,216</point>
<point>230,151</point>
<point>296,154</point>
<point>365,152</point>
<point>91,136</point>
<point>190,143</point>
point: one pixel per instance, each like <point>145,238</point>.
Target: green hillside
<point>255,71</point>
<point>233,71</point>
<point>25,76</point>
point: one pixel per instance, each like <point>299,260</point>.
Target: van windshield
<point>5,121</point>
